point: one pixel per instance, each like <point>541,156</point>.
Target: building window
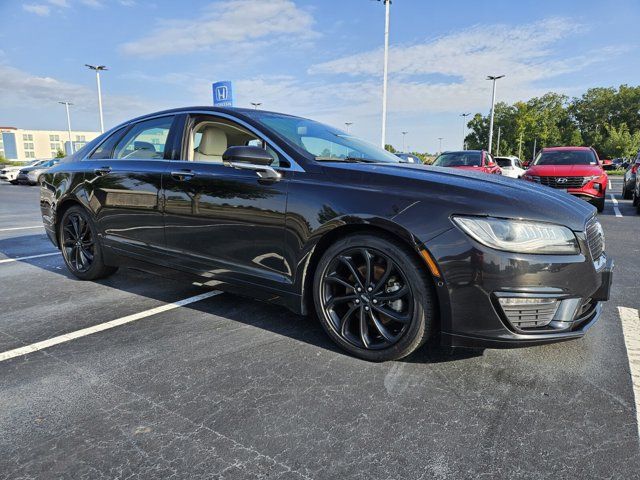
<point>54,146</point>
<point>80,138</point>
<point>54,138</point>
<point>27,137</point>
<point>28,146</point>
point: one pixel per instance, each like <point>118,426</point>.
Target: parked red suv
<point>474,160</point>
<point>577,170</point>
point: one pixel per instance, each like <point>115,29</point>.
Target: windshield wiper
<point>348,160</point>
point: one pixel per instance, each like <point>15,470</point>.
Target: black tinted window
<point>459,159</point>
<point>145,140</point>
<point>106,147</point>
<point>566,157</point>
<point>503,162</point>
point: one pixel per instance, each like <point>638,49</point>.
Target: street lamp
<point>66,104</point>
<point>440,138</point>
<point>464,128</point>
<point>493,78</point>
<point>256,105</point>
<point>348,125</point>
<point>98,69</point>
<point>385,71</point>
<point>403,134</point>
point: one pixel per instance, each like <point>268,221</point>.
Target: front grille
<point>561,182</point>
<point>595,238</point>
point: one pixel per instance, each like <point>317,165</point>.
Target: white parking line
<point>20,228</point>
<point>631,329</point>
<point>609,184</point>
<point>615,205</point>
<point>34,347</point>
<point>17,259</point>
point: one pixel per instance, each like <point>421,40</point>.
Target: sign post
<point>222,94</point>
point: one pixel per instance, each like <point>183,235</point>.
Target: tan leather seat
<point>212,145</point>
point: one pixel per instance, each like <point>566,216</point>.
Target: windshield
<point>503,162</point>
<point>566,157</point>
<point>459,159</point>
<point>323,142</point>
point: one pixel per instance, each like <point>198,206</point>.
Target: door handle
<point>183,175</point>
<point>102,171</point>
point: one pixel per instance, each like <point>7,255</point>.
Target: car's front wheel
<point>373,297</point>
<point>626,194</point>
<point>599,204</point>
<point>81,249</point>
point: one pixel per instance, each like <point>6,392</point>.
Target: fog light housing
<point>529,312</point>
<point>597,186</point>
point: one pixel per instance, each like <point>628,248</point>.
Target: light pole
<point>440,138</point>
<point>66,104</point>
<point>498,146</point>
<point>385,71</point>
<point>98,69</point>
<point>464,128</point>
<point>256,105</point>
<point>348,125</point>
<point>403,134</point>
<point>493,78</point>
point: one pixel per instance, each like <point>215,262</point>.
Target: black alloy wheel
<point>373,298</point>
<point>80,247</point>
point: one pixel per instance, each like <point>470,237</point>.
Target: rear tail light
<point>634,169</point>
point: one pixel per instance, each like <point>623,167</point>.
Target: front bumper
<point>475,279</point>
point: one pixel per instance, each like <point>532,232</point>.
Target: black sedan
<point>296,212</point>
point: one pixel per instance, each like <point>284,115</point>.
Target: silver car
<point>31,175</point>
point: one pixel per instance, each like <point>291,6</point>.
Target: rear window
<point>503,162</point>
<point>459,159</point>
<point>566,157</point>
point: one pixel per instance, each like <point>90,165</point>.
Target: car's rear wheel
<point>373,298</point>
<point>81,248</point>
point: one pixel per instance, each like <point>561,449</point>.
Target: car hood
<point>450,191</point>
<point>565,170</point>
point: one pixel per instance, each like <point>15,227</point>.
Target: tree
<point>620,142</point>
<point>60,154</point>
<point>389,148</point>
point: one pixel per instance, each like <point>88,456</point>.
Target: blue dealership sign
<point>222,94</point>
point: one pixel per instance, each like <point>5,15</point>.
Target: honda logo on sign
<point>561,180</point>
<point>222,94</point>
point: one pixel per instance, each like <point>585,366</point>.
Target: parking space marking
<point>609,184</point>
<point>631,330</point>
<point>20,228</point>
<point>67,337</point>
<point>17,259</point>
<point>615,205</point>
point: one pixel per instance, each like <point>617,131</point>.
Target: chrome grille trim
<point>595,239</point>
<point>561,182</point>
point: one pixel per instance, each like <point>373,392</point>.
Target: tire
<point>13,182</point>
<point>599,204</point>
<point>626,194</point>
<point>636,200</point>
<point>80,245</point>
<point>398,285</point>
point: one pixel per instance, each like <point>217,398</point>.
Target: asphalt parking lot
<point>228,387</point>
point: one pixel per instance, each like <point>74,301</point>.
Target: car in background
<point>629,179</point>
<point>607,164</point>
<point>31,175</point>
<point>408,158</point>
<point>576,170</point>
<point>10,173</point>
<point>510,166</point>
<point>474,160</point>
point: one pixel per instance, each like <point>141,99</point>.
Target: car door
<point>123,178</point>
<point>221,221</point>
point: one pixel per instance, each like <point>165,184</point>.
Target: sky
<point>320,59</point>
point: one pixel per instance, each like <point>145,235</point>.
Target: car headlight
<point>519,236</point>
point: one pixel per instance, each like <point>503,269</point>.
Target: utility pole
<point>498,146</point>
<point>348,125</point>
<point>403,134</point>
<point>535,141</point>
<point>440,138</point>
<point>464,129</point>
<point>520,147</point>
<point>493,78</point>
<point>385,72</point>
<point>98,69</point>
<point>66,104</point>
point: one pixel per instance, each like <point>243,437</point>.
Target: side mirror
<point>247,154</point>
<point>251,158</point>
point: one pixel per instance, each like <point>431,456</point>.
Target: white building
<point>19,144</point>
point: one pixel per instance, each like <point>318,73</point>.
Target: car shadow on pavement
<point>168,286</point>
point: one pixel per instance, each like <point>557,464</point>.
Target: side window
<point>211,137</point>
<point>106,147</point>
<point>145,140</point>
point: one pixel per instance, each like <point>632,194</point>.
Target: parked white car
<point>10,173</point>
<point>511,166</point>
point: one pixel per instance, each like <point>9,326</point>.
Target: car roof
<point>228,110</point>
<point>547,149</point>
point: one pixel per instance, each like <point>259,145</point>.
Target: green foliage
<point>60,154</point>
<point>606,118</point>
<point>389,148</point>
